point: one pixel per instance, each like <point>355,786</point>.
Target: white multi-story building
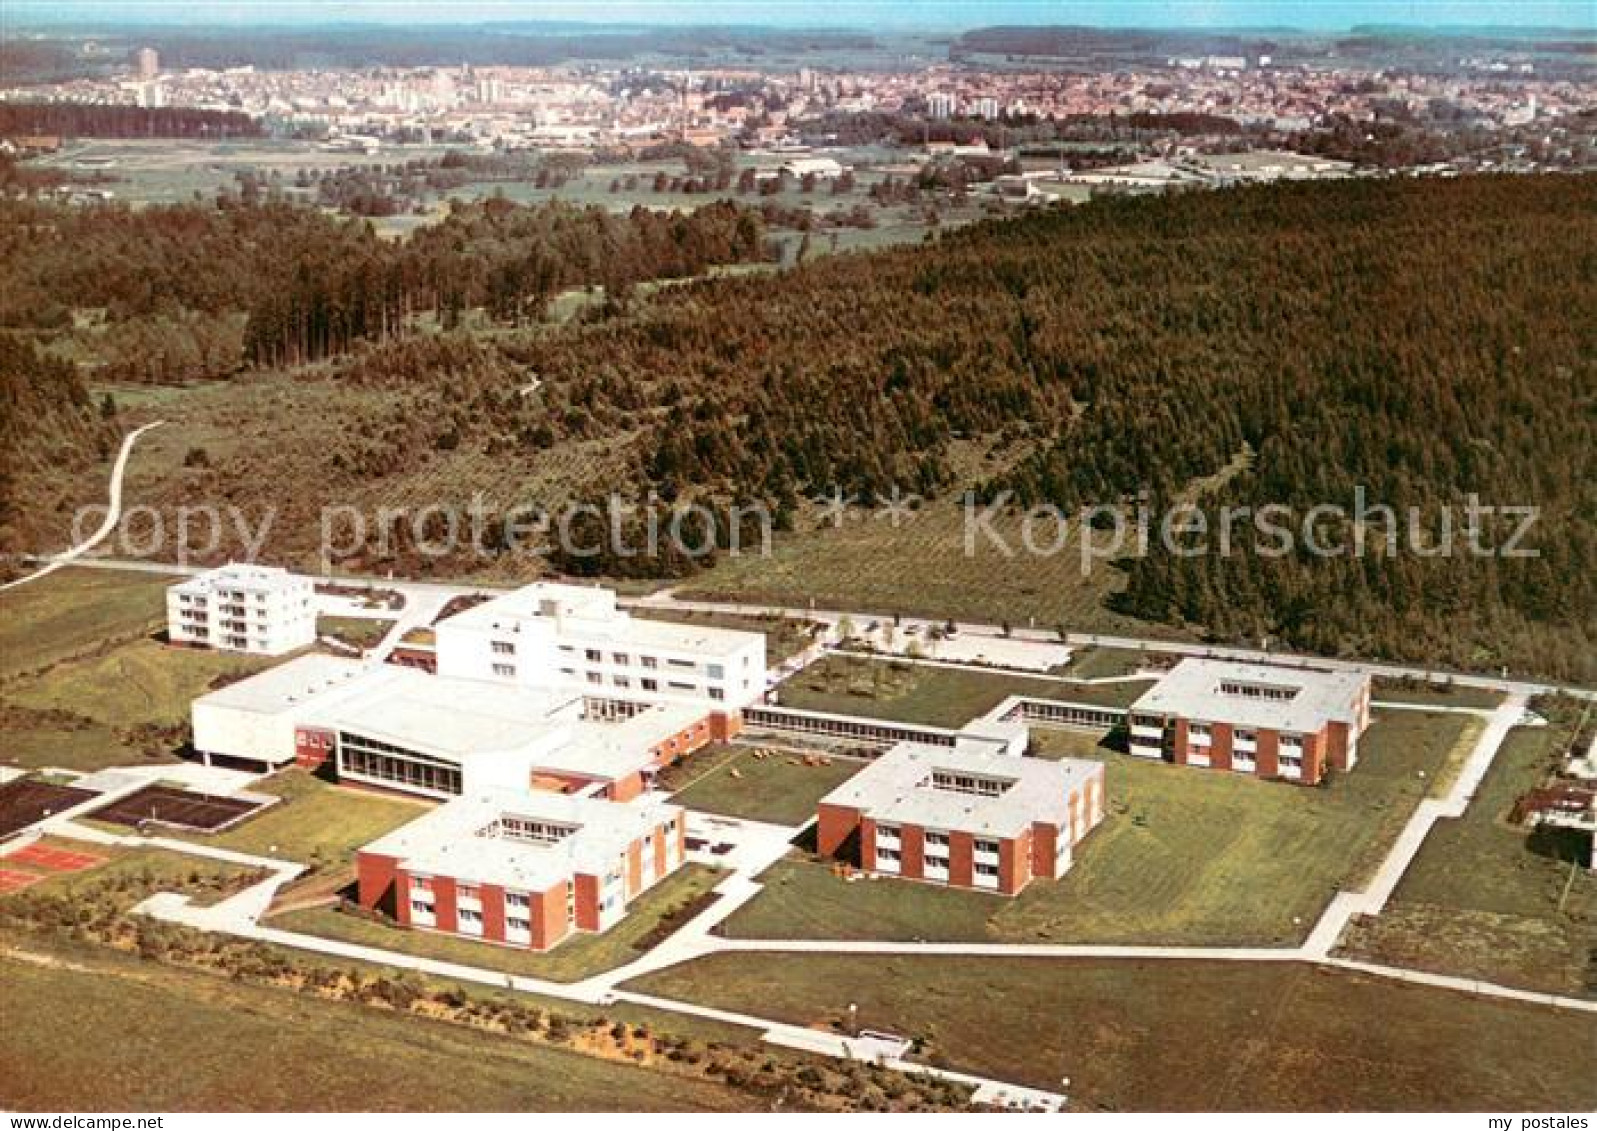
<point>554,636</point>
<point>243,608</point>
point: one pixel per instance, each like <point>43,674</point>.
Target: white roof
<point>290,686</point>
<point>614,750</point>
<point>578,613</point>
<point>898,788</point>
<point>456,718</point>
<point>457,839</point>
<point>246,576</point>
<point>1193,690</point>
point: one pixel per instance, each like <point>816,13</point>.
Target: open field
<point>930,694</point>
<point>1489,899</point>
<point>1168,1035</point>
<point>1184,857</point>
<point>578,957</point>
<point>102,1032</point>
<point>317,823</point>
<point>921,568</point>
<point>784,636</point>
<point>90,685</point>
<point>780,787</point>
<point>74,611</point>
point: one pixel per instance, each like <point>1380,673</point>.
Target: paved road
<point>113,513</point>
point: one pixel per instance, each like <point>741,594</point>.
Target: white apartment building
<point>264,610</point>
<point>566,636</point>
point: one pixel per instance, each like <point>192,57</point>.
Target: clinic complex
<point>538,720</point>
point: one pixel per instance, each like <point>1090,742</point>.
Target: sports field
<point>175,808</point>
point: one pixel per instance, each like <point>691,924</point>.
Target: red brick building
<point>964,818</point>
<point>521,869</point>
<point>1263,719</point>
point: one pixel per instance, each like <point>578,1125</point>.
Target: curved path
<point>113,513</point>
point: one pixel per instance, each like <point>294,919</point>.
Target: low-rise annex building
<point>524,869</point>
<point>964,817</point>
<point>400,729</point>
<point>264,610</point>
<point>1264,719</point>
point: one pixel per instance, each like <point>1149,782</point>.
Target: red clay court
<point>176,808</point>
<point>15,881</point>
<point>53,859</point>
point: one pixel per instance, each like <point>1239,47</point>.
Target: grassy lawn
<point>1391,690</point>
<point>579,957</point>
<point>357,632</point>
<point>102,1032</point>
<point>763,785</point>
<point>784,636</point>
<point>317,822</point>
<point>1482,898</point>
<point>1184,856</point>
<point>930,694</point>
<point>87,684</point>
<point>74,611</point>
<point>1141,1035</point>
<point>1096,662</point>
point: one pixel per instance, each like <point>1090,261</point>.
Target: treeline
<point>42,398</point>
<point>1423,340</point>
<point>309,285</point>
<point>65,119</point>
<point>505,258</point>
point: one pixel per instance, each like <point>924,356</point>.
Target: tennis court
<point>26,801</point>
<point>176,808</point>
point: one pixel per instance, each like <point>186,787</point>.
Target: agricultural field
<point>761,784</point>
<point>656,912</point>
<point>865,564</point>
<point>1296,1038</point>
<point>1489,899</point>
<point>83,697</point>
<point>96,1030</point>
<point>928,694</point>
<point>1184,857</point>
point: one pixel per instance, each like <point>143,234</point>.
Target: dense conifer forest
<point>1422,340</point>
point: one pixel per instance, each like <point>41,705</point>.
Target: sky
<point>883,14</point>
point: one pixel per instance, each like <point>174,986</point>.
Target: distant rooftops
<point>525,840</point>
<point>1298,700</point>
<point>968,790</point>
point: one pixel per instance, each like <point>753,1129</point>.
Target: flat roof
<point>457,839</point>
<point>614,750</point>
<point>1195,689</point>
<point>242,575</point>
<point>898,788</point>
<point>458,718</point>
<point>581,613</point>
<point>289,686</point>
